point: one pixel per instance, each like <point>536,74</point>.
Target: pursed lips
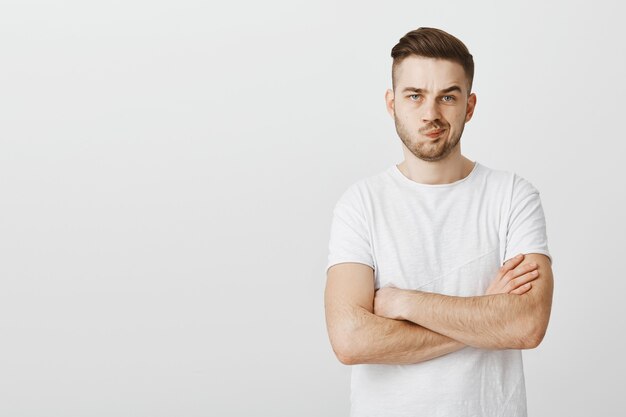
<point>434,133</point>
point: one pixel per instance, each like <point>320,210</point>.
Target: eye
<point>448,99</point>
<point>417,97</point>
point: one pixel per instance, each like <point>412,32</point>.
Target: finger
<point>521,290</point>
<point>509,265</point>
<point>521,270</point>
<point>520,281</point>
<point>514,261</point>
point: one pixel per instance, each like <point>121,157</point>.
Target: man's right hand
<point>512,280</point>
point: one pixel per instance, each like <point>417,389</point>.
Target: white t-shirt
<point>449,239</point>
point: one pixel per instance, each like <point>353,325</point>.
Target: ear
<point>471,104</point>
<point>389,101</point>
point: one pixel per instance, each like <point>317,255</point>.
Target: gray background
<point>168,172</point>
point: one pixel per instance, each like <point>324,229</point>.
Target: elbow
<point>528,342</point>
<point>349,335</point>
<point>345,350</point>
<point>534,336</point>
<point>528,335</point>
<point>340,350</point>
<point>348,344</point>
<point>345,358</point>
<point>346,339</point>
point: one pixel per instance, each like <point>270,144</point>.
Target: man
<point>425,296</point>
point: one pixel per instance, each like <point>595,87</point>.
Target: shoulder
<point>509,182</point>
<point>365,189</point>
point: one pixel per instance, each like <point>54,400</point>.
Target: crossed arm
<point>404,326</point>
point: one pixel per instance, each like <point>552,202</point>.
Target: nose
<point>430,111</point>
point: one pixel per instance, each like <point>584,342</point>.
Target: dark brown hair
<point>433,43</point>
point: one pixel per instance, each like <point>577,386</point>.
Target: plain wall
<point>168,172</point>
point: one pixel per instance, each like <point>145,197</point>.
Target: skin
<point>358,335</point>
<point>496,321</point>
<point>422,102</point>
<point>395,326</point>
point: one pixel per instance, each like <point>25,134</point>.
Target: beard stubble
<point>430,150</point>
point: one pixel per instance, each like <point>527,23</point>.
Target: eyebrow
<point>444,91</point>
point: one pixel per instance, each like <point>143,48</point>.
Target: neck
<point>453,168</point>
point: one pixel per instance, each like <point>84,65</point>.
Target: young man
<point>419,298</point>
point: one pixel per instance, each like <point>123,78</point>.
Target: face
<point>430,106</point>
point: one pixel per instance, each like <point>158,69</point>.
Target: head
<point>431,97</point>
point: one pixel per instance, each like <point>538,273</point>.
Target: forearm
<point>492,321</point>
<point>373,339</point>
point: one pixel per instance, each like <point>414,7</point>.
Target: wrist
<point>407,303</point>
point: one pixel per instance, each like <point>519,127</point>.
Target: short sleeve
<point>349,232</point>
<point>526,230</point>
